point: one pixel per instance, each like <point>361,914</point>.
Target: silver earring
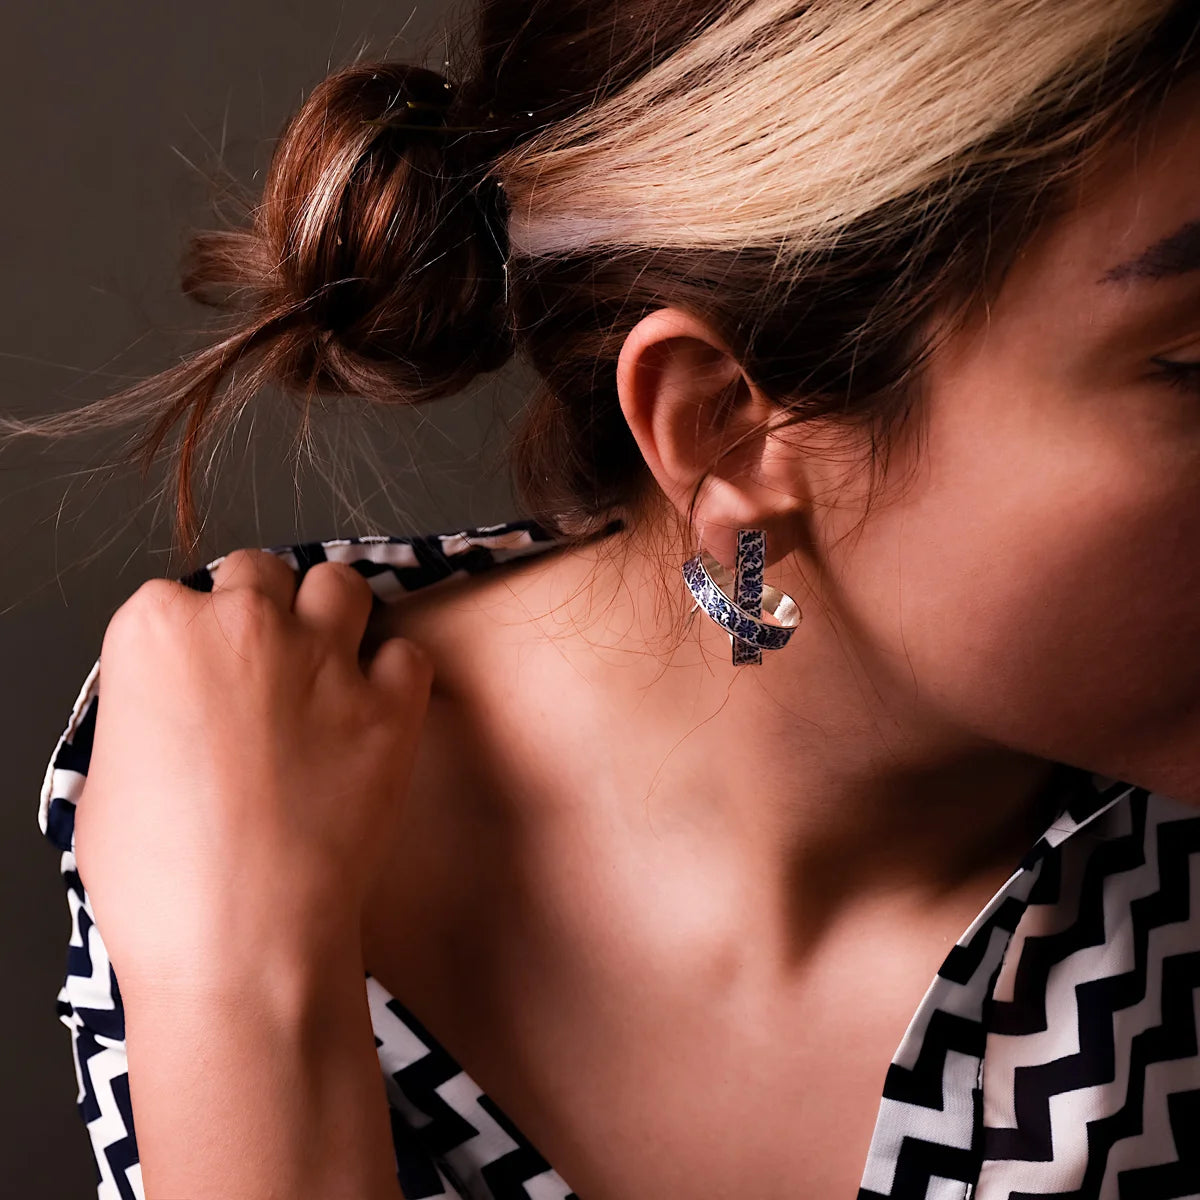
<point>740,614</point>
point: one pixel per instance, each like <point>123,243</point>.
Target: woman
<point>902,297</point>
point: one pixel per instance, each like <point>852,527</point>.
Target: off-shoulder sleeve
<point>89,1000</point>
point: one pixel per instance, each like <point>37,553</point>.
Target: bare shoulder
<point>460,621</point>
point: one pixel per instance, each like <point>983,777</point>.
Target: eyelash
<point>1183,375</point>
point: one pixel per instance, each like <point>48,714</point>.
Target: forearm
<point>260,1089</point>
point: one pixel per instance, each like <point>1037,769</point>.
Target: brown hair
<point>815,180</point>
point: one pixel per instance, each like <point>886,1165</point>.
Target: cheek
<point>1040,586</point>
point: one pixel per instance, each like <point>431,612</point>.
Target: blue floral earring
<point>741,615</point>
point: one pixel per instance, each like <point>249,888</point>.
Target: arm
<point>262,1087</point>
<point>232,906</point>
<point>320,1045</point>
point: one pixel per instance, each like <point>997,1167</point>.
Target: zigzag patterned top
<point>1054,1053</point>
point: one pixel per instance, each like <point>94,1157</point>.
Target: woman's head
<point>822,184</point>
<point>1029,577</point>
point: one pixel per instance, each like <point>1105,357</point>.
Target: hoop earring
<point>741,617</point>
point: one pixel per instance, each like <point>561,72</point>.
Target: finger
<point>336,600</point>
<point>404,670</point>
<point>259,570</point>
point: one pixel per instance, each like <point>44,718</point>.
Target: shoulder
<point>393,565</point>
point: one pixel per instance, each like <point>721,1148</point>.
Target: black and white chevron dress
<point>1054,1053</point>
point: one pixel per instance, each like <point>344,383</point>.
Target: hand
<point>247,774</point>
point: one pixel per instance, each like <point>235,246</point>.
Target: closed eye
<point>1180,374</point>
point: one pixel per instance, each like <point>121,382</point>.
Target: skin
<point>696,887</point>
<point>1027,596</point>
<point>666,851</point>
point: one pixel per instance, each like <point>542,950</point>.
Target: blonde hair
<point>815,179</point>
<point>785,124</point>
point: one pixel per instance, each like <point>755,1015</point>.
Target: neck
<point>816,777</point>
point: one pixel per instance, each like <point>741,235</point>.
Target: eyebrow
<point>1177,254</point>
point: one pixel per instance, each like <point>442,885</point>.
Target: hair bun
<point>376,262</point>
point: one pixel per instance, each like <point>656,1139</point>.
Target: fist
<point>248,769</point>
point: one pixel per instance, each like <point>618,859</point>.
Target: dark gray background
<point>112,116</point>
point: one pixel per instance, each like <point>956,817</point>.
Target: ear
<point>687,401</point>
